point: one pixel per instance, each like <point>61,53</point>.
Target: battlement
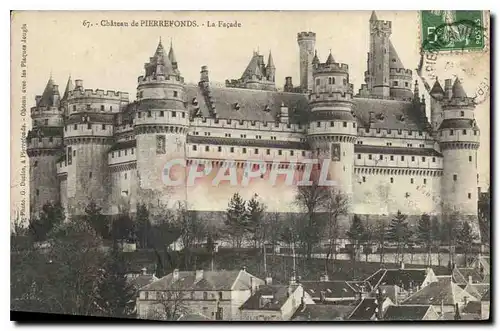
<point>36,142</point>
<point>306,35</point>
<point>246,124</point>
<point>98,93</point>
<point>458,103</point>
<point>400,71</point>
<point>331,68</point>
<point>173,79</point>
<point>330,96</point>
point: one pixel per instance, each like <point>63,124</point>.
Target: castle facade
<point>385,154</point>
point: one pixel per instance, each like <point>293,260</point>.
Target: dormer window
<point>267,108</point>
<point>194,101</point>
<point>237,106</point>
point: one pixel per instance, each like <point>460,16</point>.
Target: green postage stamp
<point>452,30</point>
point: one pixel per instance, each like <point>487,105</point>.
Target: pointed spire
<point>416,92</point>
<point>373,17</point>
<point>330,59</point>
<point>160,51</point>
<point>270,62</point>
<point>436,88</point>
<point>458,90</point>
<point>69,87</point>
<point>315,59</point>
<point>48,92</point>
<point>171,55</point>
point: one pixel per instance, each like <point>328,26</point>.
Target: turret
<point>270,68</point>
<point>459,142</point>
<point>307,42</point>
<point>332,127</point>
<point>377,76</point>
<point>437,95</point>
<point>160,126</point>
<point>44,144</point>
<point>257,75</point>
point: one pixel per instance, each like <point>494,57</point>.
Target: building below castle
<point>385,154</point>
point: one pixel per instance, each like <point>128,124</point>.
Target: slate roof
<point>45,131</point>
<point>486,296</point>
<point>472,307</point>
<point>477,290</point>
<point>392,111</point>
<point>436,88</point>
<point>253,104</point>
<point>458,90</point>
<point>443,291</point>
<point>406,312</point>
<point>222,280</point>
<point>365,310</point>
<point>404,278</point>
<point>319,312</point>
<point>246,142</point>
<point>141,281</point>
<point>123,145</point>
<point>47,99</point>
<point>69,87</point>
<point>394,60</point>
<point>396,150</point>
<point>279,295</point>
<point>331,289</point>
<point>461,275</point>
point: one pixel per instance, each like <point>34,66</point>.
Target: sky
<point>111,58</point>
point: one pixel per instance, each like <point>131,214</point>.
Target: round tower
<point>307,42</point>
<point>459,142</point>
<point>332,128</point>
<point>160,126</point>
<point>44,144</point>
<point>88,136</point>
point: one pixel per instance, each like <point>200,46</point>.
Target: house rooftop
<point>406,312</point>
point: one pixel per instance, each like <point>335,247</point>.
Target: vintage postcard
<point>251,166</point>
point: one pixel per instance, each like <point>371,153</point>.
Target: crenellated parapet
<point>98,94</point>
<point>332,68</point>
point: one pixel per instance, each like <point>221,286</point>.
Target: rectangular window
<point>195,147</point>
<point>452,132</point>
<point>125,175</point>
<point>364,179</point>
<point>139,115</point>
<point>268,152</point>
<point>369,156</point>
<point>318,124</point>
<point>317,82</point>
<point>462,114</point>
<point>303,153</point>
<point>464,132</point>
<point>395,83</point>
<point>126,152</point>
<point>89,126</point>
<point>174,114</point>
<point>425,181</point>
<point>162,113</point>
<point>392,157</point>
<point>207,148</point>
<point>90,174</point>
<point>74,108</point>
<point>110,108</point>
<point>423,158</point>
<point>219,149</point>
<point>104,126</point>
<point>149,113</point>
<point>102,108</point>
<point>291,153</point>
<point>75,127</point>
<point>344,124</point>
<point>119,153</point>
<point>420,133</point>
<point>359,156</point>
<point>70,155</point>
<point>402,157</point>
<point>175,94</point>
<point>184,115</point>
<point>160,144</point>
<point>232,149</point>
<point>244,150</point>
<point>132,152</point>
<point>455,177</point>
<point>475,132</point>
<point>256,151</point>
<point>74,153</point>
<point>392,180</point>
<point>354,124</point>
<point>411,180</point>
<point>332,123</point>
<point>205,296</point>
<point>470,158</point>
<point>469,195</point>
<point>380,157</point>
<point>413,158</point>
<point>433,159</point>
<point>280,152</point>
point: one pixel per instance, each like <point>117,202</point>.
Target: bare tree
<point>170,304</point>
<point>311,200</point>
<point>191,229</point>
<point>337,204</point>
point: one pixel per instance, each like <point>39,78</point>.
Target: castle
<point>385,153</point>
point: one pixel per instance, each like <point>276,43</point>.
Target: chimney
<point>470,279</point>
<point>402,265</point>
<point>144,271</point>
<point>38,98</point>
<point>448,88</point>
<point>204,74</point>
<point>175,275</point>
<point>78,84</point>
<point>199,275</point>
<point>269,280</point>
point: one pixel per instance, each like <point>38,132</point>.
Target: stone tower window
<point>425,181</point>
<point>318,124</point>
<point>455,178</point>
<point>280,152</point>
<point>433,159</point>
<point>470,158</point>
<point>291,153</point>
<point>380,157</point>
<point>354,124</point>
<point>75,127</point>
<point>317,81</point>
<point>110,108</point>
<point>174,114</point>
<point>149,113</point>
<point>464,132</point>
<point>35,164</point>
<point>392,180</point>
<point>359,156</point>
<point>469,195</point>
<point>162,113</point>
<point>392,157</point>
<point>268,152</point>
<point>256,151</point>
<point>452,132</point>
<point>369,156</point>
<point>411,181</point>
<point>195,147</point>
<point>303,153</point>
<point>125,175</point>
<point>160,144</point>
<point>402,157</point>
<point>406,84</point>
<point>104,126</point>
<point>395,83</point>
<point>364,179</point>
<point>423,158</point>
<point>344,124</point>
<point>102,107</point>
<point>462,113</point>
<point>332,123</point>
<point>232,149</point>
<point>175,94</point>
<point>207,148</point>
<point>74,108</point>
<point>219,149</point>
<point>413,158</point>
